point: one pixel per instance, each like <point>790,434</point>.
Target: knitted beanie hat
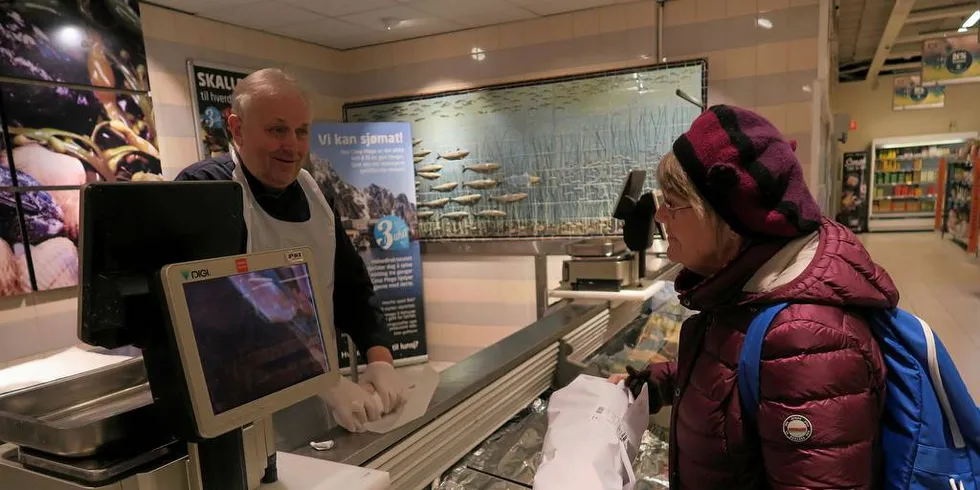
<point>748,174</point>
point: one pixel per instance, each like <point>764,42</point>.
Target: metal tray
<point>80,415</point>
<point>605,247</point>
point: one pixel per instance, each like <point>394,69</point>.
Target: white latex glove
<point>387,384</point>
<point>352,406</point>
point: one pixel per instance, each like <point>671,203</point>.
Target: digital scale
<point>607,264</point>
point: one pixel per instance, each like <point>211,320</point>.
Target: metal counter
<point>475,397</point>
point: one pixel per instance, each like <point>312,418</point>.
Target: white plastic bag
<point>594,432</point>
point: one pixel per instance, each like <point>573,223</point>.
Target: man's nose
<point>661,214</point>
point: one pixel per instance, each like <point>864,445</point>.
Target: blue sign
<point>370,170</point>
<point>391,233</point>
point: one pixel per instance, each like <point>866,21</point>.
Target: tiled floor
<point>939,283</point>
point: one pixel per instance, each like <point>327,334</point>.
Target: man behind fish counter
<point>270,125</point>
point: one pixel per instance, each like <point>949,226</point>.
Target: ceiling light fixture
<point>478,54</point>
<point>970,21</point>
<point>391,23</point>
<point>764,23</point>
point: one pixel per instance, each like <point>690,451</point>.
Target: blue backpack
<point>930,433</point>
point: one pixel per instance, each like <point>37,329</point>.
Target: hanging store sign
<point>951,60</point>
<point>909,93</point>
<point>211,87</point>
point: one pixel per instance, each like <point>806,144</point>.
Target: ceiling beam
<point>963,10</point>
<point>918,38</point>
<point>904,52</point>
<point>896,20</point>
<point>903,66</point>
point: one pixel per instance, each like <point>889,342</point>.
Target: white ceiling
<point>346,24</point>
<point>861,24</point>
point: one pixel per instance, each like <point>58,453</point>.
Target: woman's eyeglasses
<point>672,210</point>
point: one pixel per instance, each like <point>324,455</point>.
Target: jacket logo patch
<point>797,428</point>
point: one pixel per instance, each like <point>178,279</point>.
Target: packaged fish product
<point>463,478</point>
<point>651,464</point>
<point>514,451</point>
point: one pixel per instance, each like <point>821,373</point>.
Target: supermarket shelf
<point>889,198</point>
<point>908,224</point>
<point>924,182</point>
<point>922,214</point>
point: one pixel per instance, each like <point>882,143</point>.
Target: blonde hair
<point>267,81</point>
<point>673,180</point>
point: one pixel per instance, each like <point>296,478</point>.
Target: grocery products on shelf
<point>906,180</point>
<point>958,217</point>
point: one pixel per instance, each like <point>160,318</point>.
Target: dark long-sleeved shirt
<point>357,309</point>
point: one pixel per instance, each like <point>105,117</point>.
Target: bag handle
<point>750,358</point>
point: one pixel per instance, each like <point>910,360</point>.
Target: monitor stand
<point>223,465</point>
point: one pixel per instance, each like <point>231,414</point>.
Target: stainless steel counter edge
<point>300,424</point>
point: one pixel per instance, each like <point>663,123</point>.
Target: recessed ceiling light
<point>764,23</point>
<point>391,23</point>
<point>478,54</point>
<point>807,89</point>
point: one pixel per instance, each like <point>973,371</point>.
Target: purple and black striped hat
<point>748,173</point>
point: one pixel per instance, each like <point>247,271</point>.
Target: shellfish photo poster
<point>76,109</point>
<point>538,159</point>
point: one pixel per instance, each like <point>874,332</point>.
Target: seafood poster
<point>538,159</point>
<point>96,43</point>
<point>212,87</point>
<point>369,168</point>
<point>77,109</point>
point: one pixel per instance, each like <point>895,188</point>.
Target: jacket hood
<point>829,267</point>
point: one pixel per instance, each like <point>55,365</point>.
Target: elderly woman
<point>742,222</point>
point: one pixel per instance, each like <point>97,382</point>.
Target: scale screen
<point>257,333</point>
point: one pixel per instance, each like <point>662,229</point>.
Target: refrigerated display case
<point>485,425</point>
<point>961,219</point>
<point>905,182</point>
<point>510,457</point>
<point>959,202</point>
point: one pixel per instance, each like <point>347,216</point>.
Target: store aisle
<point>939,283</point>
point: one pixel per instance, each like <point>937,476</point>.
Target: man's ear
<point>235,125</point>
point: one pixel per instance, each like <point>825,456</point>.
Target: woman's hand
<point>616,378</point>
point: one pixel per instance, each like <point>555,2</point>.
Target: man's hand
<point>387,384</point>
<point>352,406</point>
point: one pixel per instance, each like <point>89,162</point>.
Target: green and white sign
<point>909,93</point>
<point>951,60</point>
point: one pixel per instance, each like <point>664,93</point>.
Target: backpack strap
<point>751,356</point>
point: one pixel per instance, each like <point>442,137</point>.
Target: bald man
<point>270,125</point>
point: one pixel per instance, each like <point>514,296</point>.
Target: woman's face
<point>692,241</point>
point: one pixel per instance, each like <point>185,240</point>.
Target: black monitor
<point>636,209</point>
<point>630,195</point>
<point>129,231</point>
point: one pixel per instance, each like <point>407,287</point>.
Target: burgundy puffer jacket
<point>822,376</point>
